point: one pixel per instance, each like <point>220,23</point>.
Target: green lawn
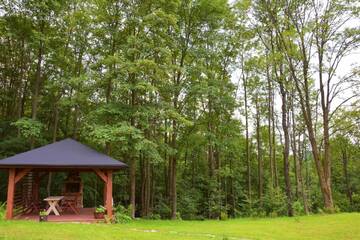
<point>336,227</point>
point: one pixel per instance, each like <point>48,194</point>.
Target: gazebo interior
<point>66,171</point>
<point>34,187</point>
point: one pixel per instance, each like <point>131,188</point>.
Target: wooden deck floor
<point>86,215</point>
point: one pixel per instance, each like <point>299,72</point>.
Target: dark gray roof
<point>67,153</point>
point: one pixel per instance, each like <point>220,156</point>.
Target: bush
<point>356,202</point>
<point>122,214</point>
<point>342,201</point>
<point>153,216</point>
<point>274,202</point>
<point>189,204</point>
<point>224,216</point>
<point>121,218</point>
<point>2,210</point>
<point>298,208</point>
<point>336,209</point>
<point>249,208</point>
<point>199,218</point>
<point>273,214</point>
<point>100,209</point>
<point>163,210</point>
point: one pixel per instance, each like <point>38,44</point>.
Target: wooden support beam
<point>109,194</point>
<point>21,174</point>
<point>101,174</point>
<point>10,194</point>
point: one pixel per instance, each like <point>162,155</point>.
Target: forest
<point>220,109</point>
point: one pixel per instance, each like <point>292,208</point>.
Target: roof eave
<point>63,167</point>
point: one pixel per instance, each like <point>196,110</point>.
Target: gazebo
<point>66,156</point>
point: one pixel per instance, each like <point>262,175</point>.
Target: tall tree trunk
<point>132,185</point>
<point>259,152</point>
<point>325,160</point>
<point>166,166</point>
<point>285,126</point>
<point>36,87</point>
<point>294,151</point>
<point>133,162</point>
<point>173,158</point>
<point>211,162</point>
<point>76,122</point>
<point>322,163</point>
<point>301,157</point>
<point>56,120</point>
<point>345,159</point>
<point>270,117</point>
<point>276,178</point>
<point>145,186</point>
<point>247,149</point>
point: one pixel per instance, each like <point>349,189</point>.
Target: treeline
<point>220,109</point>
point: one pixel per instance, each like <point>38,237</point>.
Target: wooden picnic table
<point>53,202</point>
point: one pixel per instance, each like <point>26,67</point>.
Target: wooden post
<point>10,194</point>
<point>109,194</point>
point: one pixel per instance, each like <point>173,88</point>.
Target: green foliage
<point>224,216</point>
<point>274,202</point>
<point>11,146</point>
<point>163,210</point>
<point>153,216</point>
<point>2,211</point>
<point>298,208</point>
<point>189,204</point>
<point>122,214</point>
<point>100,209</point>
<point>43,213</point>
<point>356,203</point>
<point>29,128</point>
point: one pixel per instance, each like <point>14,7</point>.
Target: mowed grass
<point>331,227</point>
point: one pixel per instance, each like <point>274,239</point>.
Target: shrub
<point>100,209</point>
<point>250,208</point>
<point>122,214</point>
<point>163,210</point>
<point>189,204</point>
<point>356,202</point>
<point>43,213</point>
<point>178,216</point>
<point>298,208</point>
<point>274,202</point>
<point>224,216</point>
<point>336,209</point>
<point>153,216</point>
<point>199,218</point>
<point>29,127</point>
<point>273,214</point>
<point>2,210</point>
<point>121,218</point>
